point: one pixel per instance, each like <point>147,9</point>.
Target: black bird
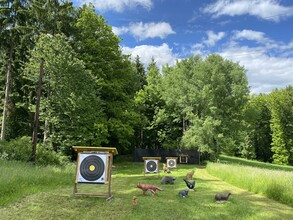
<point>189,184</point>
<point>222,197</point>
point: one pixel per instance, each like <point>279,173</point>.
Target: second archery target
<point>151,166</point>
<point>171,162</point>
<point>92,168</point>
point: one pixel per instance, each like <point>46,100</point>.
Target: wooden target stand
<point>171,162</point>
<point>94,166</point>
<point>156,160</point>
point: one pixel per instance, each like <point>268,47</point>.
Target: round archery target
<point>92,168</point>
<point>171,163</point>
<point>151,166</point>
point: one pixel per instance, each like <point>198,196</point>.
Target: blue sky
<point>256,33</point>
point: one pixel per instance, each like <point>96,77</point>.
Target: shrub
<point>20,150</point>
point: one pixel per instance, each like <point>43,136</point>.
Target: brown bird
<point>134,201</point>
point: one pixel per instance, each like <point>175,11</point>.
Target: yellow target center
<point>151,166</point>
<point>92,167</point>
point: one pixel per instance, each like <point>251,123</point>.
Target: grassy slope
<point>254,163</point>
<point>61,204</point>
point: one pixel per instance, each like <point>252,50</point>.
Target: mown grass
<point>274,184</point>
<point>59,203</point>
<point>18,179</point>
<point>253,163</point>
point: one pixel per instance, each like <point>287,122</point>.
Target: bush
<point>20,150</point>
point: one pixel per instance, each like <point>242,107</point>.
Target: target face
<point>92,168</point>
<point>151,166</point>
<point>171,163</point>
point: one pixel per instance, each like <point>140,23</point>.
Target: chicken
<point>219,197</point>
<point>189,184</point>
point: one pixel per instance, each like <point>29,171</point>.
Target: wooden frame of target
<point>94,166</point>
<point>171,162</point>
<point>151,165</point>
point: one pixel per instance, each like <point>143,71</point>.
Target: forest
<point>94,95</point>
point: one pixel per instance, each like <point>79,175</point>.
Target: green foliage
<point>21,149</point>
<point>214,92</point>
<point>17,149</point>
<point>118,81</point>
<point>257,118</point>
<point>70,105</point>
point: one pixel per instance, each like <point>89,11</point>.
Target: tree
<point>99,48</point>
<point>70,101</point>
<point>208,96</point>
<point>13,18</point>
<point>281,102</point>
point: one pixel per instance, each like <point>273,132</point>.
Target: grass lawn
<point>59,203</point>
<point>253,163</point>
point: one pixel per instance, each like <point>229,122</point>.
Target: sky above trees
<point>256,33</point>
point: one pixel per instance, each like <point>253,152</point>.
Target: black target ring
<point>151,166</point>
<point>171,163</point>
<point>92,168</point>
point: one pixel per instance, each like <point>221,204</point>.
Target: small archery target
<point>92,168</point>
<point>151,166</point>
<point>171,163</point>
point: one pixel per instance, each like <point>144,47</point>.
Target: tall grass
<point>274,184</point>
<point>254,163</point>
<point>19,179</point>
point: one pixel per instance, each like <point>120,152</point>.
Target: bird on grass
<point>134,201</point>
<point>219,197</point>
<point>190,185</point>
<point>183,193</point>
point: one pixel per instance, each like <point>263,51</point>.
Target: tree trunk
<point>7,94</point>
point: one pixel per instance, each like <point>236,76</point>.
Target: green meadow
<point>29,192</point>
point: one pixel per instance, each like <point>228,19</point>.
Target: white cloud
<point>213,38</point>
<point>142,31</point>
<point>118,5</point>
<point>162,54</point>
<point>264,72</point>
<point>264,9</point>
<point>250,35</point>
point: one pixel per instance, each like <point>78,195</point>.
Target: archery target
<point>171,163</point>
<point>92,168</point>
<point>151,166</point>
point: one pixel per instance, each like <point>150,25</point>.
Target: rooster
<point>148,187</point>
<point>189,184</point>
<point>222,197</point>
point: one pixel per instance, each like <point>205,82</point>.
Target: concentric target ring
<point>92,168</point>
<point>151,166</point>
<point>171,163</point>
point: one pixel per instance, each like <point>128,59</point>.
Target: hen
<point>190,185</point>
